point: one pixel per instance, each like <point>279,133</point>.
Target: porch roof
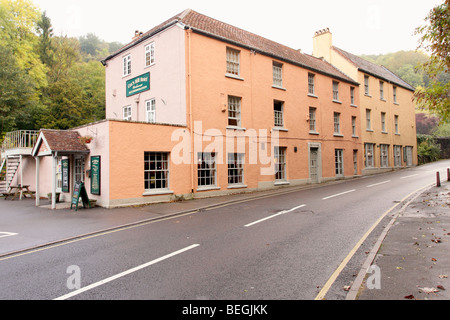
<point>59,141</point>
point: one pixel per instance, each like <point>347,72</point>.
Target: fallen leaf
<point>347,288</point>
<point>433,259</point>
<point>399,268</point>
<point>443,276</point>
<point>409,297</point>
<point>441,287</point>
<point>428,290</point>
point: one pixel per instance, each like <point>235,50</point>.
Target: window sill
<point>356,137</point>
<point>396,103</point>
<point>381,99</point>
<point>157,192</point>
<point>312,95</point>
<point>314,132</point>
<point>337,101</point>
<point>280,129</point>
<point>208,188</point>
<point>367,95</point>
<point>233,76</point>
<point>384,132</point>
<point>369,130</point>
<point>281,183</point>
<point>278,87</point>
<point>338,135</point>
<point>354,106</point>
<point>237,186</point>
<point>236,128</point>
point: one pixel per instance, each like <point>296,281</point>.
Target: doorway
<point>314,163</point>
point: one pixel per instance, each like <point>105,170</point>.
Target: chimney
<point>137,35</point>
<point>323,41</point>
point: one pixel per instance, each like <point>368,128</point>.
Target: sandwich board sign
<point>79,191</point>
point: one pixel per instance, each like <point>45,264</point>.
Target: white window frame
<point>312,120</point>
<point>234,111</point>
<point>352,96</point>
<point>381,90</point>
<point>397,130</point>
<point>368,120</point>
<point>236,168</point>
<point>207,169</point>
<point>150,54</point>
<point>277,74</point>
<point>280,163</point>
<point>311,84</point>
<point>395,94</point>
<point>337,123</point>
<point>354,126</point>
<point>366,85</point>
<point>383,122</point>
<point>369,155</point>
<point>278,114</point>
<point>127,116</point>
<point>126,65</point>
<point>335,91</point>
<point>397,156</point>
<point>384,155</point>
<point>339,162</point>
<point>233,62</point>
<point>156,171</point>
<point>150,108</point>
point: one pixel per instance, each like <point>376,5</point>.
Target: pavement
<point>410,261</point>
<point>413,260</point>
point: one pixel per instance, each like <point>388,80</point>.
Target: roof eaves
<point>271,55</point>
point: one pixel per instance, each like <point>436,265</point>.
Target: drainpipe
<point>191,126</point>
<point>54,156</point>
<point>38,195</point>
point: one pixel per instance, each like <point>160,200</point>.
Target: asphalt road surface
<point>283,247</point>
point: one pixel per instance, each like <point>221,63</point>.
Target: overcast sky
<point>358,26</point>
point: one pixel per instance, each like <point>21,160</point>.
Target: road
<point>283,247</point>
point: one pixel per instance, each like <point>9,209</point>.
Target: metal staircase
<point>8,172</point>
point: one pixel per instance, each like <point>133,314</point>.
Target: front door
<point>79,169</point>
<point>314,165</point>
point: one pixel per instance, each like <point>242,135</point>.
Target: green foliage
<point>427,149</point>
<point>435,39</point>
<point>47,81</point>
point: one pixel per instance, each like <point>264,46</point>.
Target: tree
<point>45,31</point>
<point>16,90</point>
<point>435,39</point>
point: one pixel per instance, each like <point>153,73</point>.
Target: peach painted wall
<point>128,144</point>
<point>167,80</point>
<point>404,109</point>
<point>210,87</point>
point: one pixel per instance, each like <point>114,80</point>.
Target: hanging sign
<point>79,191</point>
<point>65,175</point>
<point>95,175</point>
<point>138,84</point>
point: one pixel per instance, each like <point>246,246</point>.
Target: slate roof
<point>214,28</point>
<point>374,69</point>
<point>61,141</point>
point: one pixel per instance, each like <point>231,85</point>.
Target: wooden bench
<point>9,194</point>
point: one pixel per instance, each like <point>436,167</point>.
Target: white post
<point>21,177</point>
<point>54,181</point>
<point>38,196</point>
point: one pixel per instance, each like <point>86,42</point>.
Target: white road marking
<point>413,175</point>
<point>377,184</point>
<point>7,234</point>
<point>122,274</point>
<point>275,215</point>
<point>339,194</point>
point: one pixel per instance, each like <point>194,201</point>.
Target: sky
<point>358,26</point>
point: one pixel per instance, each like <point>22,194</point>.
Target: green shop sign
<point>138,84</point>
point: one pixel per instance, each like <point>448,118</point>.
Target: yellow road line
<point>341,267</point>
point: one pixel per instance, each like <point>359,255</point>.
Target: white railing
<point>20,139</point>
